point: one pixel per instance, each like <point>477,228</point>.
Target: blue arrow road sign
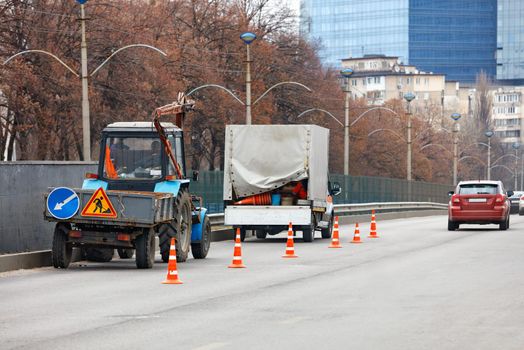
<point>63,203</point>
<point>81,2</point>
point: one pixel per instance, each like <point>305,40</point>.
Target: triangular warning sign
<point>99,205</point>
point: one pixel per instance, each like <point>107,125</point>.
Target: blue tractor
<point>140,191</point>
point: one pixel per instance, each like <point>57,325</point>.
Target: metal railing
<point>361,208</point>
<point>356,209</point>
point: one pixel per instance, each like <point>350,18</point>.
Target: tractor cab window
<point>133,158</point>
<point>176,148</point>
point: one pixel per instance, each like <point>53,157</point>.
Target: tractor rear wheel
<point>99,254</point>
<point>179,227</point>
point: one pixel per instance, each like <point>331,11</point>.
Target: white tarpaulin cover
<point>260,158</point>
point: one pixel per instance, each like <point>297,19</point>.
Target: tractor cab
<point>132,157</point>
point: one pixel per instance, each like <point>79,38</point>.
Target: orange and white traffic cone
<point>290,246</point>
<point>237,254</point>
<point>335,242</point>
<point>373,229</point>
<point>356,237</point>
<point>172,273</point>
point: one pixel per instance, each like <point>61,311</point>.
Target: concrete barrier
<point>22,188</point>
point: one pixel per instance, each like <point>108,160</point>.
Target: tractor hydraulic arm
<point>179,109</point>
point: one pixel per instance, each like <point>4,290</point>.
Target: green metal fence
<point>355,189</point>
<point>367,189</point>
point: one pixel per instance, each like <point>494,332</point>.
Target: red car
<point>479,202</point>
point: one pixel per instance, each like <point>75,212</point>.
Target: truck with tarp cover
<point>275,175</point>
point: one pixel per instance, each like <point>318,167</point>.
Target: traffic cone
<point>172,273</point>
<point>335,242</point>
<point>356,237</point>
<point>373,229</point>
<point>258,199</point>
<point>290,246</point>
<point>237,254</point>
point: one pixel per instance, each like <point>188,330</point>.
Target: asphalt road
<point>416,287</point>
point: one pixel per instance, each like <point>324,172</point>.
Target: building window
<point>417,81</point>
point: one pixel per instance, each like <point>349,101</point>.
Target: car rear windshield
<point>478,189</point>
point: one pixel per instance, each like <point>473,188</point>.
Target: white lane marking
<point>211,346</point>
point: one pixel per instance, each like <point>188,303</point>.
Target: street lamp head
<point>489,133</point>
<point>346,73</point>
<point>409,97</point>
<point>516,145</point>
<point>248,37</point>
<point>456,116</point>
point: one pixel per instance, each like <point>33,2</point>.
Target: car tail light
<point>455,199</point>
<point>522,198</point>
<point>499,198</point>
<point>91,176</point>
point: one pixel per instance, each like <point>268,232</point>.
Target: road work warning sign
<point>99,205</point>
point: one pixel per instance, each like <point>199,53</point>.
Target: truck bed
<point>134,208</point>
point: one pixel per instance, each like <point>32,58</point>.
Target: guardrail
<point>355,209</point>
<point>360,208</point>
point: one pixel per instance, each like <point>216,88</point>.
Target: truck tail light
<point>75,234</point>
<point>123,237</point>
<point>91,176</point>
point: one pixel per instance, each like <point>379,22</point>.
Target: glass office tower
<point>453,37</point>
<point>510,41</point>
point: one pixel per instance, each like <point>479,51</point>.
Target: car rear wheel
<point>452,225</point>
<point>521,211</point>
<point>504,225</point>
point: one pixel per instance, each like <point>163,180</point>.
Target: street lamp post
<point>456,127</point>
<point>86,124</point>
<point>409,97</point>
<point>248,38</point>
<point>489,134</point>
<point>346,73</point>
<point>516,147</point>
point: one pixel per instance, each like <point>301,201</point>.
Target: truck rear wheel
<point>145,249</point>
<point>200,249</point>
<point>326,232</point>
<point>180,228</point>
<point>261,234</point>
<point>99,254</point>
<point>308,233</point>
<point>62,249</point>
<point>125,253</point>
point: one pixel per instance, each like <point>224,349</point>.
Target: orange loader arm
<point>179,109</point>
